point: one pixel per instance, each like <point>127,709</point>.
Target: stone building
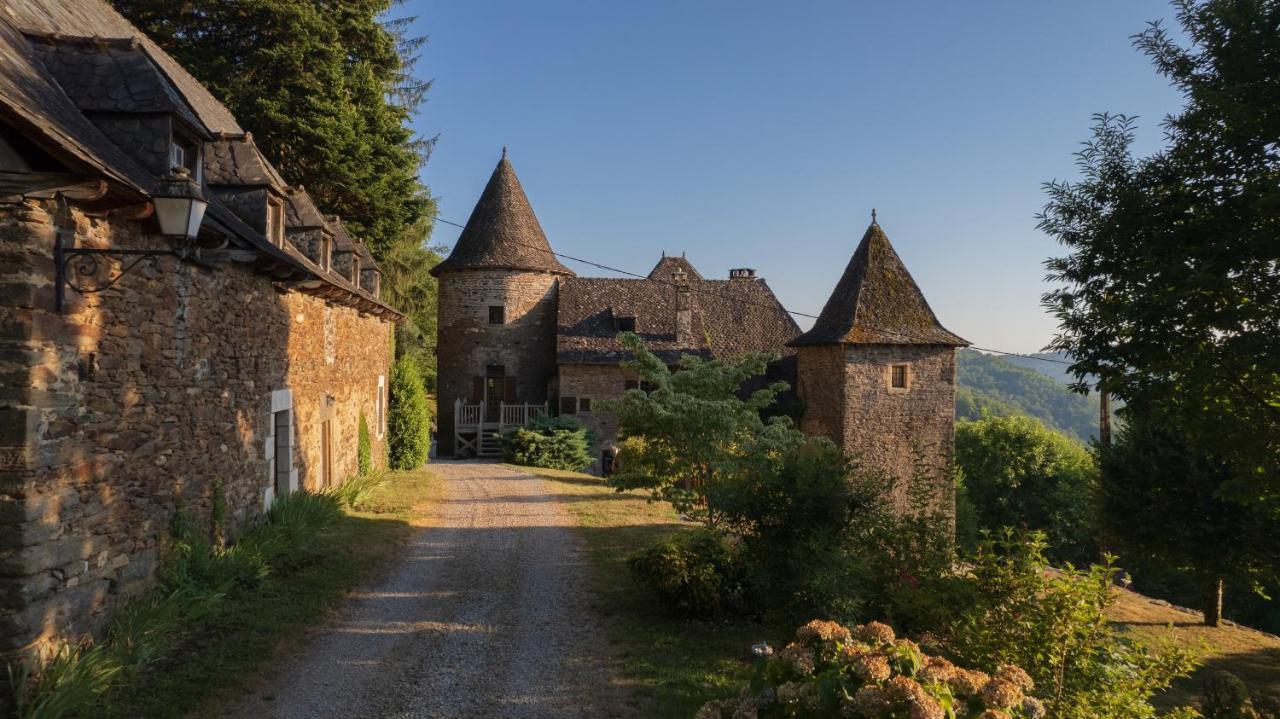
<point>876,373</point>
<point>145,370</point>
<point>520,334</point>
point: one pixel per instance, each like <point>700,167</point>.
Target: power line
<point>739,300</point>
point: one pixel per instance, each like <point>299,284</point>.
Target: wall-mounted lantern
<point>179,208</point>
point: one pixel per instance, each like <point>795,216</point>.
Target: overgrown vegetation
<point>364,448</point>
<point>216,611</point>
<point>408,417</point>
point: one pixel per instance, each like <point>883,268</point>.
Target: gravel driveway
<point>485,614</point>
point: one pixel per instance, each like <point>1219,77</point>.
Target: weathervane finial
<point>504,152</point>
<point>873,216</point>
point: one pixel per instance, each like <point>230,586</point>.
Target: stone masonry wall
<point>596,382</point>
<point>848,398</point>
<point>148,398</point>
<point>525,345</point>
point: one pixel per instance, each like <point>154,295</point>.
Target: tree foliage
<point>692,432</point>
<point>1170,289</point>
<point>552,442</point>
<point>1163,507</point>
<point>1017,473</point>
<point>408,417</point>
<point>986,384</point>
<point>325,86</point>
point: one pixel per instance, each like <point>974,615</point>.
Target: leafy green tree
<point>1171,294</point>
<point>408,417</point>
<point>1019,473</point>
<point>689,433</point>
<point>1163,506</point>
<point>325,86</point>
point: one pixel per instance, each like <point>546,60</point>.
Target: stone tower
<point>876,374</point>
<point>496,328</point>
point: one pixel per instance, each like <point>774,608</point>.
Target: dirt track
<point>485,614</point>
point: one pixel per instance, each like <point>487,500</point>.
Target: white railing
<point>470,419</point>
<point>518,415</point>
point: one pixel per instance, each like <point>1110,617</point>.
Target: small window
<point>568,405</point>
<point>380,406</point>
<point>898,376</point>
<point>495,370</point>
<point>632,384</point>
<point>275,220</point>
<point>626,324</point>
<point>584,404</point>
<point>497,315</point>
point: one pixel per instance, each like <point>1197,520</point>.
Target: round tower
<point>496,317</point>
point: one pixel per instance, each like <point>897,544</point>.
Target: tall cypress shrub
<point>409,419</point>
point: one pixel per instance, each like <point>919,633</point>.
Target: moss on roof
<point>876,301</point>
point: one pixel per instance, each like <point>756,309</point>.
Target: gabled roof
<point>667,266</point>
<point>301,212</point>
<point>238,161</point>
<point>111,76</point>
<point>95,19</point>
<point>729,317</point>
<point>502,232</point>
<point>877,302</point>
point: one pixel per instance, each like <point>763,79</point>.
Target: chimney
<point>742,273</point>
<point>684,308</point>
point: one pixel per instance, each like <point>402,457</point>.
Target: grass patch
<point>219,617</point>
<point>1251,655</point>
<point>672,665</point>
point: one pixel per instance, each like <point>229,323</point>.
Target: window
<point>898,376</point>
<point>380,406</point>
<point>185,154</point>
<point>275,220</point>
<point>584,404</point>
<point>568,405</point>
<point>626,324</point>
<point>632,384</point>
<point>324,253</point>
<point>355,270</point>
<point>497,315</point>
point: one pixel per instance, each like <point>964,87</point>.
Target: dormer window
<point>326,253</point>
<point>625,324</point>
<point>275,220</point>
<point>185,154</point>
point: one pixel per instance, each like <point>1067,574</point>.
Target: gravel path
<point>486,614</point>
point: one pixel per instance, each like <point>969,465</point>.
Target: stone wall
<point>848,398</point>
<point>148,398</point>
<point>525,345</point>
<point>596,382</point>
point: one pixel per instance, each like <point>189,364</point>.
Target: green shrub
<point>1053,623</point>
<point>695,572</point>
<point>356,490</point>
<point>408,418</point>
<point>364,448</point>
<point>832,672</point>
<point>550,442</point>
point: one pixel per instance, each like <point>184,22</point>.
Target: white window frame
<point>380,406</point>
<point>281,400</point>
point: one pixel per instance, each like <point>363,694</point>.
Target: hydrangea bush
<point>869,673</point>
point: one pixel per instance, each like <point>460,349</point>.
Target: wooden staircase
<point>490,444</point>
<point>481,436</point>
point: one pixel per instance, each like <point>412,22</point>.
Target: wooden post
<point>1104,418</point>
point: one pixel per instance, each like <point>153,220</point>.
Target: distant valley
<point>1005,385</point>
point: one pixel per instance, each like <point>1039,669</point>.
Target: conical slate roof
<point>502,232</point>
<point>877,302</point>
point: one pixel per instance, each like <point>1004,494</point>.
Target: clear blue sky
<point>753,134</point>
